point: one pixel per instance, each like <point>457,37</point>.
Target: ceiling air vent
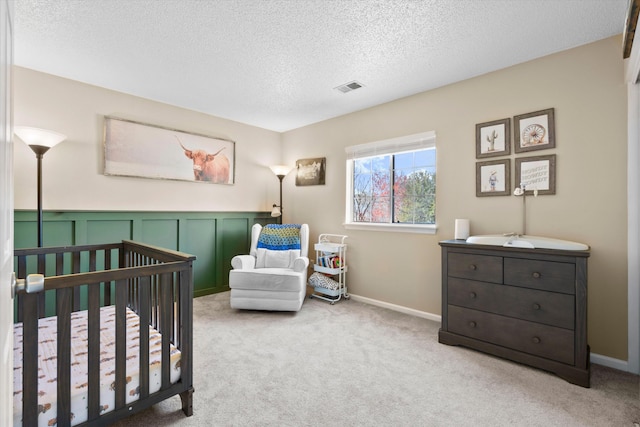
<point>348,87</point>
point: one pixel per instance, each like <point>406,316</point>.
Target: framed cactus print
<point>493,138</point>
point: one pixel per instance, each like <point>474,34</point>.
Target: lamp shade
<point>34,136</point>
<point>281,170</point>
<point>275,212</point>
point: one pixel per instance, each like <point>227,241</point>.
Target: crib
<point>109,335</point>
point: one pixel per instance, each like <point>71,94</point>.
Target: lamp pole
<point>280,177</point>
<point>280,171</point>
<point>39,150</point>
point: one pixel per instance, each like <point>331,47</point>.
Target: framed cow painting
<point>147,151</point>
<point>310,171</point>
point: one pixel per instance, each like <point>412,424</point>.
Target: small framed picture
<point>535,131</point>
<point>493,138</point>
<point>493,178</point>
<point>537,173</point>
<point>310,171</point>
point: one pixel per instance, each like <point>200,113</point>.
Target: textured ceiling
<point>275,63</point>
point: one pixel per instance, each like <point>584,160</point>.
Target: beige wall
<point>585,86</point>
<point>72,171</point>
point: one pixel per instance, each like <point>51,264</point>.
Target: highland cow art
<point>141,150</point>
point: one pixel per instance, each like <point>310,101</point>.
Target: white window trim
<point>418,141</point>
<point>403,228</point>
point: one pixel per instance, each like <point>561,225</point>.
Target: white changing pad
<point>47,365</point>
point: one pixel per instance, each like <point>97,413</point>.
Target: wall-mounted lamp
<point>40,141</point>
<point>280,171</point>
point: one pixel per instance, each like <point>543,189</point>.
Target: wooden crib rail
<point>71,260</point>
<point>156,283</point>
<point>155,252</point>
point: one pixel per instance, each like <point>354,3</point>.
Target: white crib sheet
<point>47,365</point>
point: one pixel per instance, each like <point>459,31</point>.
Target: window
<point>391,184</point>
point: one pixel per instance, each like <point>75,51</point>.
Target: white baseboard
<point>401,309</point>
<point>610,362</point>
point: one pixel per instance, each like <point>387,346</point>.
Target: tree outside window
<point>395,188</point>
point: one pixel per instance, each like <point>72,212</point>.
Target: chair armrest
<point>243,262</point>
<point>300,264</point>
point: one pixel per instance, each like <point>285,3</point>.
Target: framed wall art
<point>535,131</point>
<point>493,138</point>
<point>148,151</point>
<point>537,173</point>
<point>310,171</point>
<point>493,178</point>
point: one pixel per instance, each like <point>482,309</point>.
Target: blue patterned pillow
<point>279,237</point>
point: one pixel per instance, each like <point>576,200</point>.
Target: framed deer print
<point>148,151</point>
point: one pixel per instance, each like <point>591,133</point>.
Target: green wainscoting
<point>213,237</point>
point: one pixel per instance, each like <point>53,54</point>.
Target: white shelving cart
<point>329,279</point>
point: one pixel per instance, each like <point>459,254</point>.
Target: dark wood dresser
<point>526,305</point>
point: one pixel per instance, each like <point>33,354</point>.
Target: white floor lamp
<point>40,141</point>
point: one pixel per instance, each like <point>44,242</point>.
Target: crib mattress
<point>47,366</point>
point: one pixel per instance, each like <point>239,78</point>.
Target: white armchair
<point>274,274</point>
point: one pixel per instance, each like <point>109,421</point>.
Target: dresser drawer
<point>475,267</point>
<point>533,338</point>
<point>544,307</point>
<point>545,275</point>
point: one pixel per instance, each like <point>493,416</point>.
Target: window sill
<point>400,228</point>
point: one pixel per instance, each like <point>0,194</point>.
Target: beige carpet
<point>353,364</point>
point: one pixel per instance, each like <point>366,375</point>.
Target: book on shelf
<point>330,261</point>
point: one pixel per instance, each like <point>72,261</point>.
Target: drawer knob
<point>472,295</point>
<point>536,340</point>
<point>472,267</point>
<point>472,324</point>
<point>536,275</point>
<point>536,306</point>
